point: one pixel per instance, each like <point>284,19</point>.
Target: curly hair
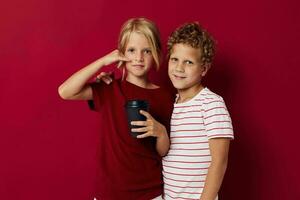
<point>194,35</point>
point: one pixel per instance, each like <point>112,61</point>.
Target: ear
<point>205,67</point>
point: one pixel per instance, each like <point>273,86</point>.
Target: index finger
<point>146,114</point>
<point>123,58</point>
<point>121,62</point>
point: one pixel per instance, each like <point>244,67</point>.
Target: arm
<point>155,129</point>
<point>162,141</point>
<point>219,148</point>
<point>76,87</point>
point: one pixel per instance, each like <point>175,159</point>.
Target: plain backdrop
<point>48,145</point>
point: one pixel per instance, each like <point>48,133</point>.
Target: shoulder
<point>168,90</point>
<point>208,96</point>
<point>101,87</point>
<point>210,100</point>
<point>168,93</point>
<point>101,84</point>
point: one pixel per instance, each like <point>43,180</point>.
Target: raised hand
<point>114,56</point>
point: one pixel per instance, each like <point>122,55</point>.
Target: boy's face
<point>185,67</point>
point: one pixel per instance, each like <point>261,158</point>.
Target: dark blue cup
<point>133,108</point>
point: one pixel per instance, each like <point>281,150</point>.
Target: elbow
<point>221,165</point>
<point>163,144</point>
<point>62,93</point>
<point>163,153</point>
<point>224,167</point>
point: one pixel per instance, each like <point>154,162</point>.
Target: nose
<point>179,67</point>
<point>139,57</point>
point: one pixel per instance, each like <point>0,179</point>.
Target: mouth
<point>138,66</point>
<point>178,77</point>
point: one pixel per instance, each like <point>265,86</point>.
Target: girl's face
<point>138,51</point>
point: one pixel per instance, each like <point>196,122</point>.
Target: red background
<point>47,145</point>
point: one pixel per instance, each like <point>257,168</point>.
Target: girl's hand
<point>114,56</point>
<point>105,77</point>
<point>152,127</point>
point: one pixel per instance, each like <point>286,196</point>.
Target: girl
<point>129,168</point>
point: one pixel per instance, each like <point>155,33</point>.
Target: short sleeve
<point>94,104</point>
<point>216,118</point>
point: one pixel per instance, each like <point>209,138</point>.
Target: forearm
<point>213,180</point>
<point>163,143</point>
<point>74,84</point>
<point>153,129</point>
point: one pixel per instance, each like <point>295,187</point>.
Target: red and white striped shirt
<point>193,123</point>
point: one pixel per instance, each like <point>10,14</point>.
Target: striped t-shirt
<point>193,123</point>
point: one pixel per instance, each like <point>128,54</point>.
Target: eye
<point>147,51</point>
<point>173,59</point>
<point>130,50</point>
<point>188,62</point>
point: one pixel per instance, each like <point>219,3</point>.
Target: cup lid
<point>136,103</point>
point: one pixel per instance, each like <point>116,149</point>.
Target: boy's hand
<point>105,77</point>
<point>152,127</point>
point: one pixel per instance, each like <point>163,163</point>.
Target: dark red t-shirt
<point>129,168</point>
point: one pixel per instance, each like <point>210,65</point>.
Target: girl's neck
<point>142,82</point>
<point>187,94</point>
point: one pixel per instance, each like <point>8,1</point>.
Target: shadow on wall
<point>242,172</point>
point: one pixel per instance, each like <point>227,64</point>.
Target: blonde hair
<point>148,29</point>
<point>194,35</point>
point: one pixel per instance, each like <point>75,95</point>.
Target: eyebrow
<point>146,48</point>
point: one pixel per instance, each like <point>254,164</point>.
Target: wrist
<point>162,133</point>
<point>101,62</point>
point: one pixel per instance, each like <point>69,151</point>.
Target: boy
<point>201,127</point>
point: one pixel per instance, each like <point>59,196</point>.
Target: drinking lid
<point>136,103</point>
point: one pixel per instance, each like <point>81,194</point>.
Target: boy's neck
<point>185,95</point>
